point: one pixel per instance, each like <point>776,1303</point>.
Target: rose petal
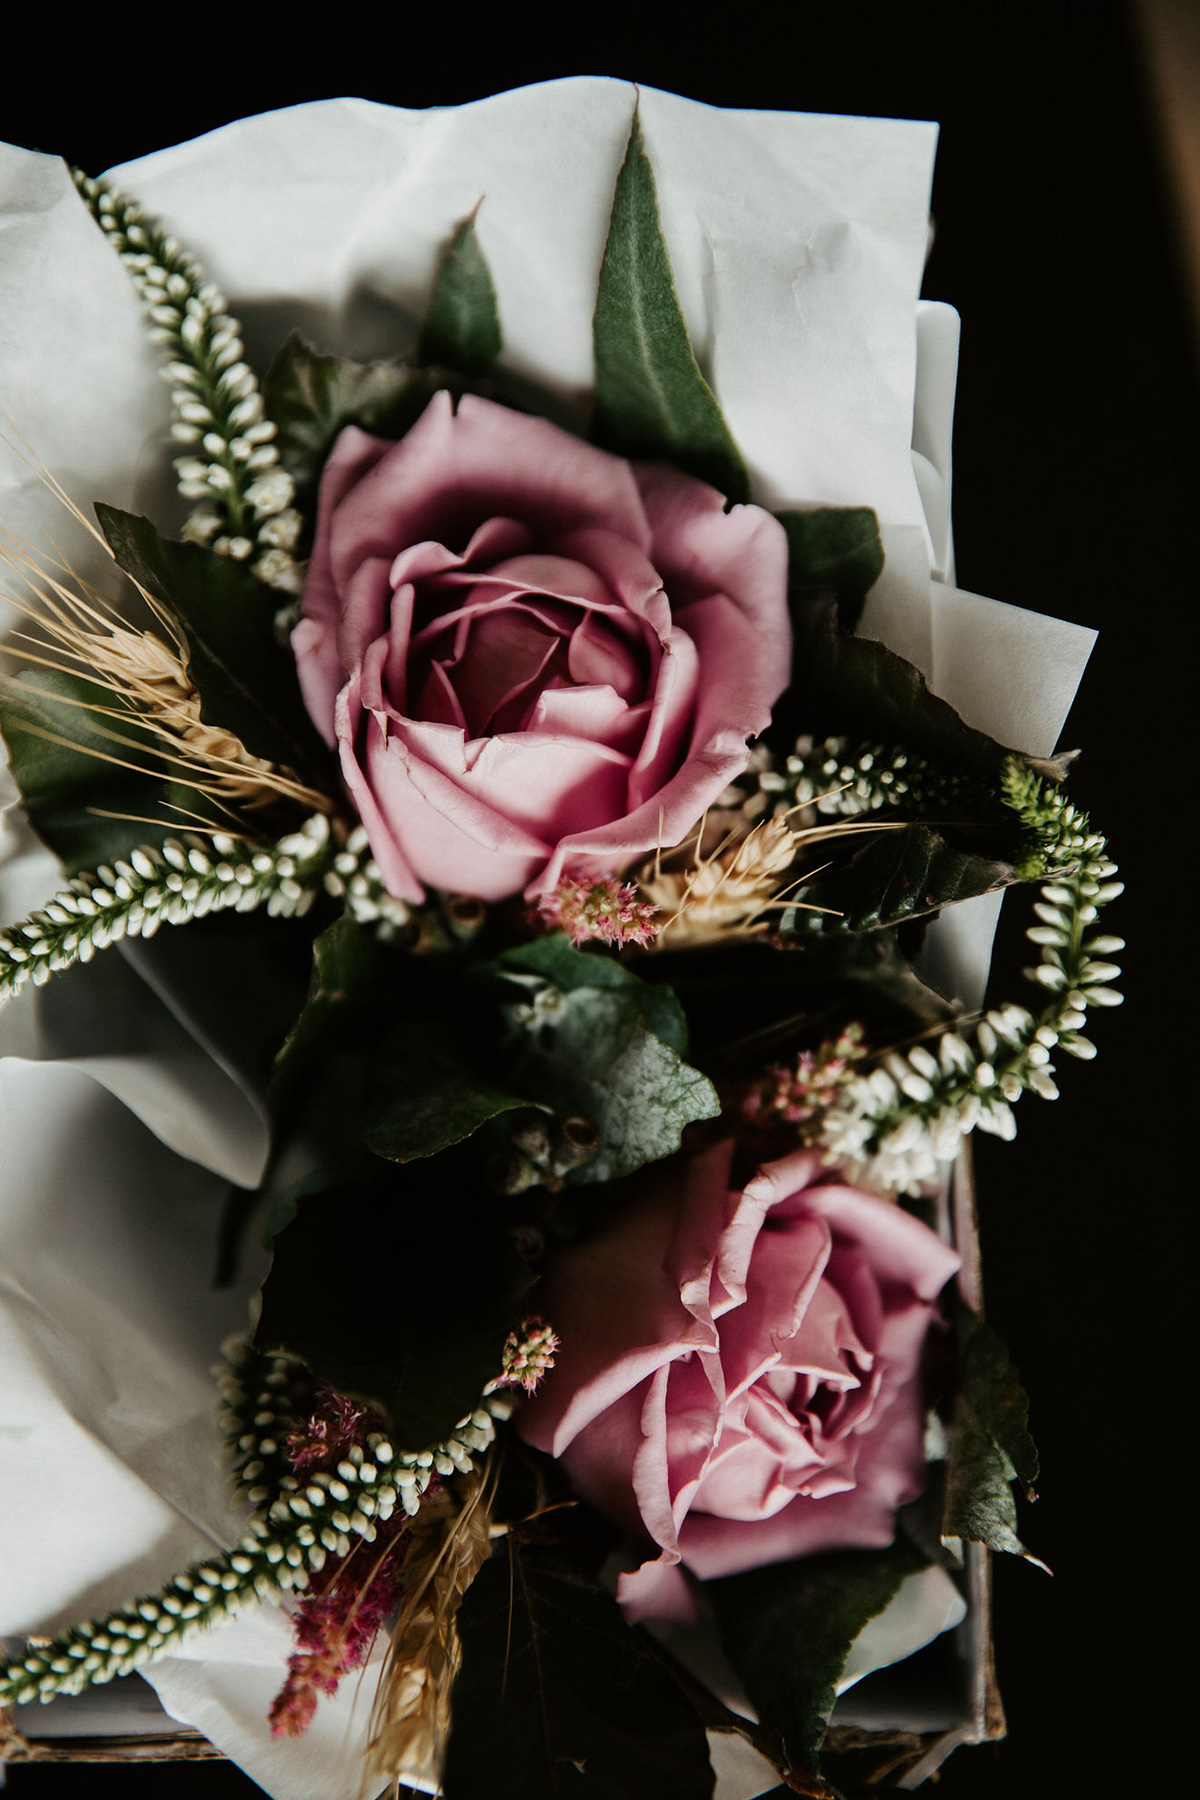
<point>314,645</point>
<point>503,663</point>
<point>701,549</point>
<point>543,783</point>
<point>596,713</point>
<point>601,655</point>
<point>859,1518</point>
<point>658,1590</point>
<point>627,1320</point>
<point>460,465</point>
<point>780,1288</point>
<point>630,575</point>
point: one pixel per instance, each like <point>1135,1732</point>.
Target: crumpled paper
<point>797,243</point>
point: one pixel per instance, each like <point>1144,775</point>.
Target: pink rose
<point>534,658</point>
<point>739,1372</point>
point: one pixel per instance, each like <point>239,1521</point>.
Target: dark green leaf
<point>559,1698</point>
<point>991,1446</point>
<point>245,677</point>
<point>557,959</point>
<point>834,548</point>
<point>590,1053</point>
<point>462,326</point>
<point>284,1206</point>
<point>347,971</point>
<point>651,399</point>
<point>401,1292</point>
<point>312,397</point>
<point>853,686</point>
<point>979,1496</point>
<point>901,874</point>
<point>991,1380</point>
<point>425,1095</point>
<point>788,1629</point>
<point>62,760</point>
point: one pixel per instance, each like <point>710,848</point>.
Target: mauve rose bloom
<point>535,658</point>
<point>739,1372</point>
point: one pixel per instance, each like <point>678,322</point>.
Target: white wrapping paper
<point>797,244</point>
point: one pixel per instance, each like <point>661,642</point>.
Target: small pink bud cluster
<point>528,1354</point>
<point>608,910</point>
<point>802,1094</point>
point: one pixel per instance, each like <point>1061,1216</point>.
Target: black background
<point>1075,491</point>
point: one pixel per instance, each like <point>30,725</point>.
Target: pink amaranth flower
<point>336,1627</point>
<point>802,1094</point>
<point>527,1355</point>
<point>323,1439</point>
<point>608,910</point>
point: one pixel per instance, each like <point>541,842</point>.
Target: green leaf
<point>991,1446</point>
<point>991,1380</point>
<point>462,326</point>
<point>425,1095</point>
<point>788,1629</point>
<point>559,962</point>
<point>900,875</point>
<point>245,677</point>
<point>347,971</point>
<point>835,548</point>
<point>589,1053</point>
<point>855,687</point>
<point>311,397</point>
<point>401,1292</point>
<point>979,1497</point>
<point>651,399</point>
<point>558,1697</point>
<point>62,760</point>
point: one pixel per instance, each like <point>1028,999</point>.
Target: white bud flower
<point>271,493</point>
<point>282,530</point>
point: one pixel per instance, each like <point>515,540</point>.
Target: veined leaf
<point>590,1053</point>
<point>990,1447</point>
<point>558,1697</point>
<point>788,1630</point>
<point>990,1379</point>
<point>462,326</point>
<point>979,1496</point>
<point>651,399</point>
<point>749,1006</point>
<point>558,960</point>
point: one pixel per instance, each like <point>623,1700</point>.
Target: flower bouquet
<point>479,951</point>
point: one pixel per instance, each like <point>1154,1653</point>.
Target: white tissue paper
<point>797,243</point>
